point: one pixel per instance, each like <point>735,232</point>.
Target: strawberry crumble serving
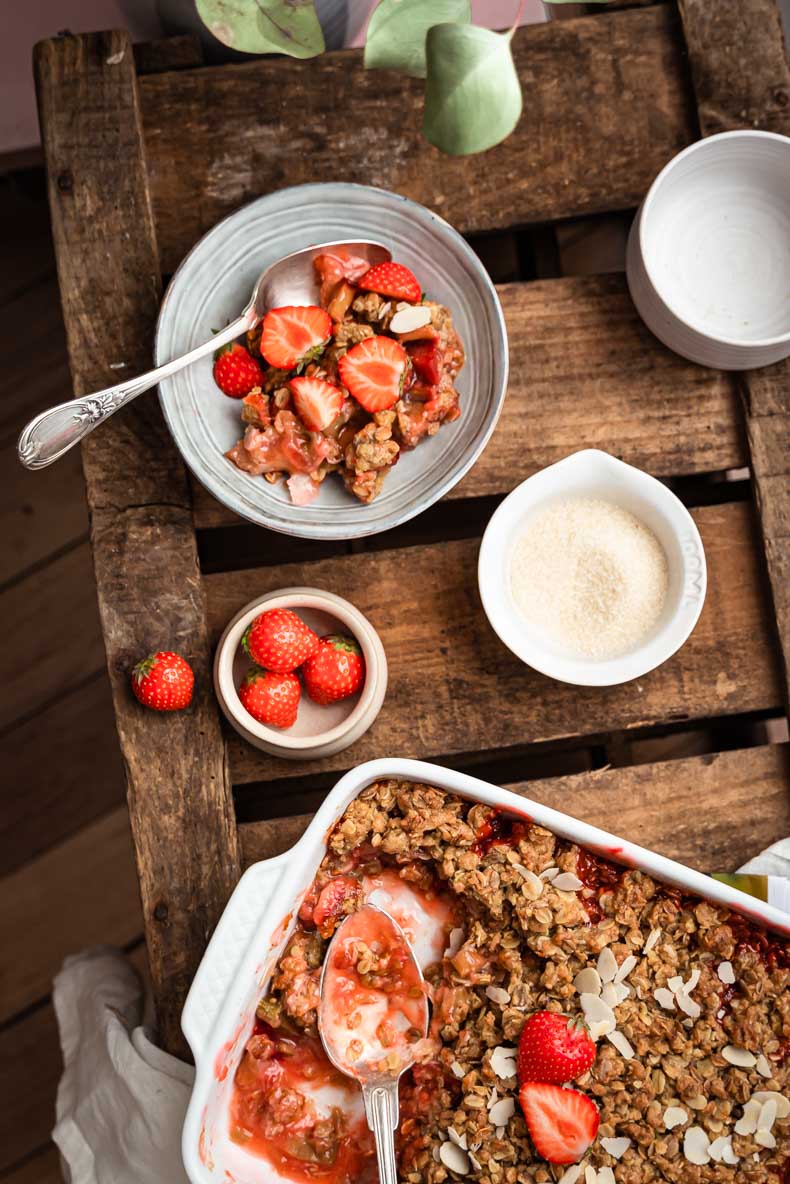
<point>588,1023</point>
<point>346,386</point>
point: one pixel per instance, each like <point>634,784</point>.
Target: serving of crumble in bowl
<point>230,453</point>
<point>513,908</point>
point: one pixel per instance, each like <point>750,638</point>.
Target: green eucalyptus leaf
<point>472,91</point>
<point>398,28</point>
<point>264,26</point>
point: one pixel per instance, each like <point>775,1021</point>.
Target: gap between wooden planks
<point>454,688</point>
<point>586,373</point>
<point>741,804</point>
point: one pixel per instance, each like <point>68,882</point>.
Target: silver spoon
<point>379,1084</point>
<point>292,280</point>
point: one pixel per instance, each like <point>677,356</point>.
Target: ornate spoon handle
<point>52,433</point>
<point>381,1108</point>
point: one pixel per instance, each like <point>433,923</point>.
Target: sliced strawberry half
<point>294,335</point>
<point>562,1123</point>
<point>373,371</point>
<point>392,279</point>
<point>318,403</point>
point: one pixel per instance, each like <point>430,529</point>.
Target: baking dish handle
<point>230,944</point>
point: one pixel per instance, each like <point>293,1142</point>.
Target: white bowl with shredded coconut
<point>591,571</point>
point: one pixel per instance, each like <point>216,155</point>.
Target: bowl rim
<point>500,372</point>
<point>295,598</point>
<point>587,672</point>
<point>643,212</point>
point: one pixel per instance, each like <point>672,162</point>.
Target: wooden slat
<point>82,892</point>
<point>150,594</point>
<point>741,803</point>
<point>41,513</point>
<point>168,53</point>
<point>216,138</point>
<point>42,1168</point>
<point>584,371</point>
<point>454,688</point>
<point>48,795</point>
<point>738,64</point>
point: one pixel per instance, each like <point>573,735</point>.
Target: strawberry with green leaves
<point>270,698</point>
<point>163,681</point>
<point>278,640</point>
<point>236,371</point>
<point>554,1048</point>
<point>335,671</point>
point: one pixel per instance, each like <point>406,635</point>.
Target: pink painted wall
<point>27,22</point>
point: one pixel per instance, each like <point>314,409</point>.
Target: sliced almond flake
<point>688,1024</point>
<point>695,1145</point>
<point>716,1148</point>
<point>498,995</point>
<point>698,1102</point>
<point>588,981</point>
<point>458,1070</point>
<point>456,940</point>
<point>782,1103</point>
<point>692,982</point>
<point>493,1098</point>
<point>720,1014</point>
<point>500,1132</point>
<point>626,966</point>
<point>651,940</point>
<point>767,1115</point>
<point>533,884</point>
<point>747,1123</point>
<point>411,317</point>
<point>454,1158</point>
<point>384,309</point>
<point>740,1057</point>
<point>616,1147</point>
<point>728,1155</point>
<point>566,882</point>
<point>571,1175</point>
<point>664,998</point>
<point>688,1005</point>
<point>726,972</point>
<point>590,1175</point>
<point>503,1061</point>
<point>609,995</point>
<point>598,1014</point>
<point>763,1066</point>
<point>621,1044</point>
<point>435,1153</point>
<point>607,965</point>
<point>454,1137</point>
<point>549,873</point>
<point>765,1139</point>
<point>675,983</point>
<point>475,1162</point>
<point>621,991</point>
<point>674,1116</point>
<point>501,1113</point>
<point>606,1176</point>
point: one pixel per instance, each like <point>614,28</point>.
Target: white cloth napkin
<point>121,1100</point>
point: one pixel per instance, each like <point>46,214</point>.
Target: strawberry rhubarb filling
<point>345,386</point>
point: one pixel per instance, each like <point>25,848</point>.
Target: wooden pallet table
<point>145,152</point>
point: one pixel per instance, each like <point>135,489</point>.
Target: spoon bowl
<point>365,995</point>
<point>291,280</point>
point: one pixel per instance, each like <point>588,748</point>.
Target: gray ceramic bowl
<point>213,284</point>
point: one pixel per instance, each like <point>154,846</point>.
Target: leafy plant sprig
<point>472,91</point>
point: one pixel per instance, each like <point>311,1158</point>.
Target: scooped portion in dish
<point>346,385</point>
<point>588,1022</point>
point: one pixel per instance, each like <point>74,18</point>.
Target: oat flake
<point>726,972</point>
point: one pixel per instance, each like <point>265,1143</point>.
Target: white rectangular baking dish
<point>260,915</point>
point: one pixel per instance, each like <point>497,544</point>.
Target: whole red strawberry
<point>163,681</point>
<point>236,372</point>
<point>554,1048</point>
<point>279,641</point>
<point>335,671</point>
<point>271,698</point>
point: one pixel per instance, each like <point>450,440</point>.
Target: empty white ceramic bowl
<point>594,474</point>
<point>708,258</point>
<point>318,731</point>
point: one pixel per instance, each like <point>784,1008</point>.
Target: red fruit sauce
<point>499,828</point>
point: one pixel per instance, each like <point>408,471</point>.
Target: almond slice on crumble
<point>502,1111</point>
<point>726,973</point>
<point>566,882</point>
<point>761,1096</point>
<point>621,1043</point>
<point>674,1116</point>
<point>503,1062</point>
<point>763,1066</point>
<point>498,995</point>
<point>454,1158</point>
<point>651,940</point>
<point>747,1123</point>
<point>616,1147</point>
<point>533,884</point>
<point>696,1145</point>
<point>740,1057</point>
<point>588,981</point>
<point>550,873</point>
<point>607,965</point>
<point>454,1137</point>
<point>571,1175</point>
<point>599,1015</point>
<point>665,998</point>
<point>626,966</point>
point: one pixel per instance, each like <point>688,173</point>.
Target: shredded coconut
<point>591,576</point>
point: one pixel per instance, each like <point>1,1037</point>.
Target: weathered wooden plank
<point>42,1168</point>
<point>464,692</point>
<point>738,63</point>
<point>741,803</point>
<point>168,53</point>
<point>46,799</point>
<point>767,406</point>
<point>150,593</point>
<point>566,157</point>
<point>584,371</point>
<point>80,893</point>
<point>40,513</point>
